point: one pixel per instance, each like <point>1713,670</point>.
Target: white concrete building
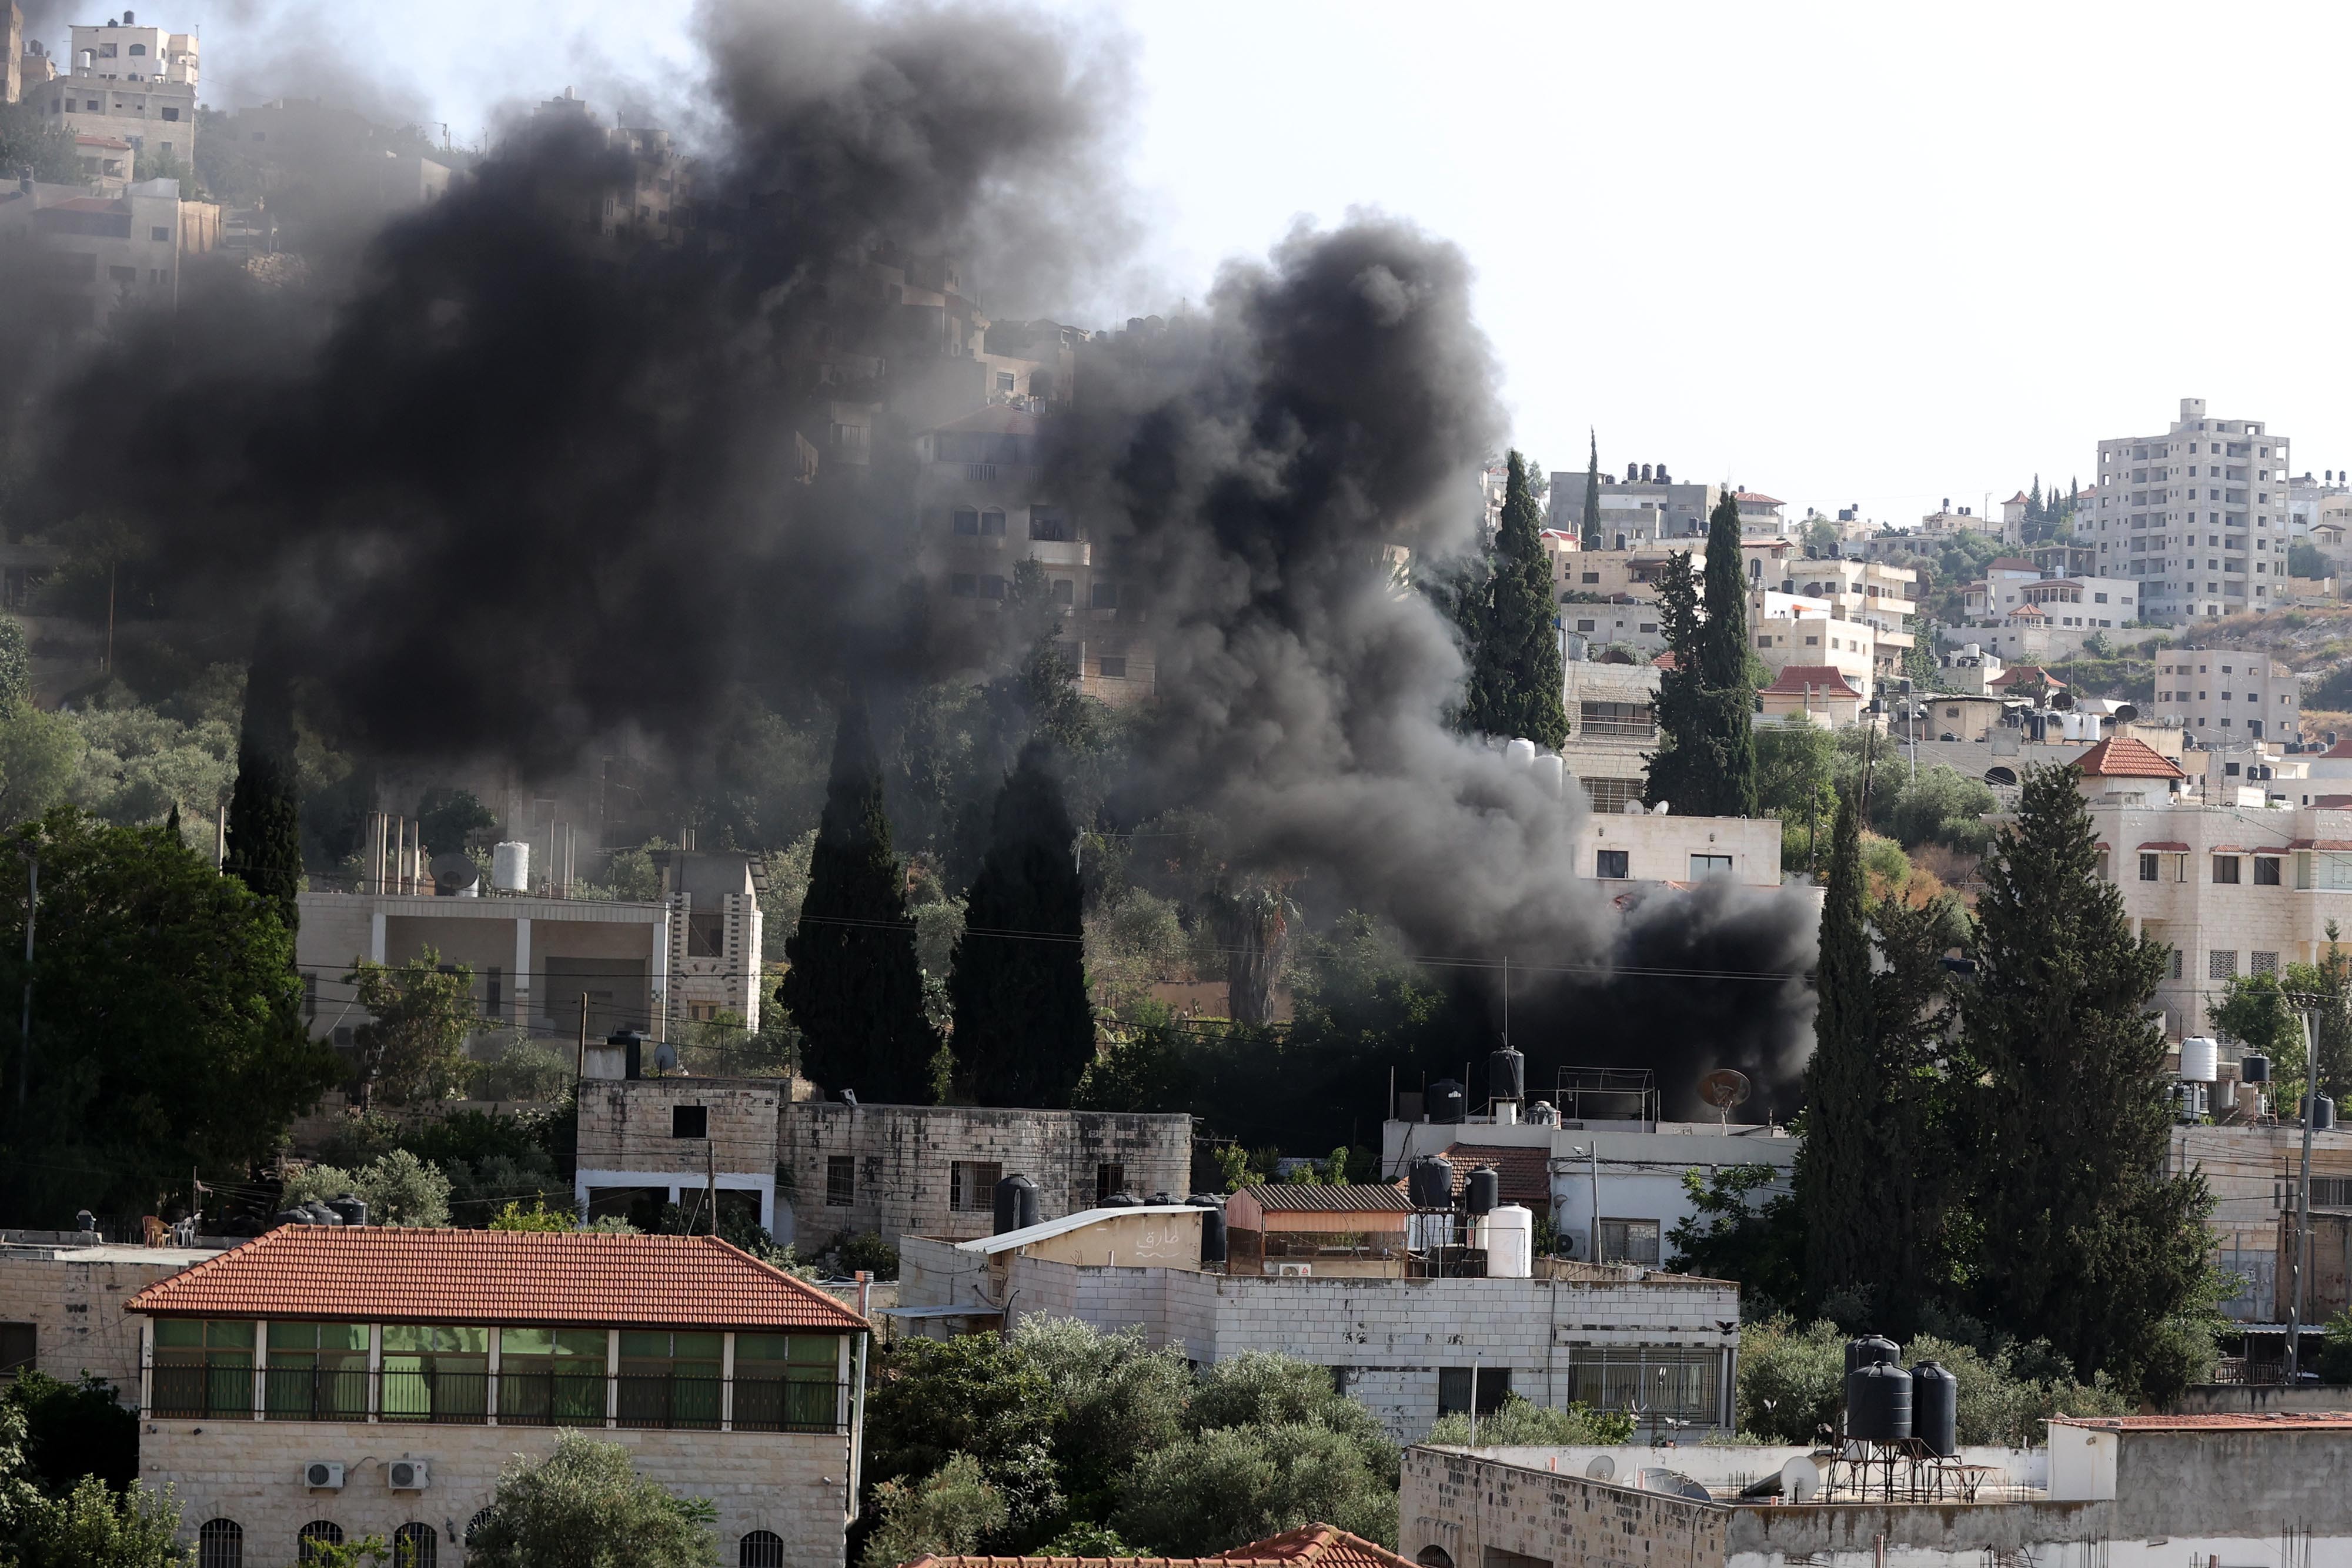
<point>1640,508</point>
<point>1798,628</point>
<point>128,83</point>
<point>1612,727</point>
<point>2198,516</point>
<point>118,251</point>
<point>2219,695</point>
<point>1636,846</point>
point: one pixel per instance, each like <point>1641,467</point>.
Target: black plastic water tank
<point>289,1217</point>
<point>2320,1111</point>
<point>1213,1237</point>
<point>1444,1101</point>
<point>1878,1404</point>
<point>1507,1075</point>
<point>1429,1182</point>
<point>631,1047</point>
<point>1121,1200</point>
<point>1871,1350</point>
<point>1016,1203</point>
<point>1484,1190</point>
<point>350,1209</point>
<point>2254,1068</point>
<point>320,1213</point>
<point>1935,1409</point>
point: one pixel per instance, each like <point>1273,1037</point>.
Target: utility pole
<point>25,1028</point>
<point>710,1181</point>
<point>580,1063</point>
<point>2302,1206</point>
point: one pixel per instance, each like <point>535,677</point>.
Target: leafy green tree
<point>2304,559</point>
<point>933,1399</point>
<point>419,1017</point>
<point>949,1514</point>
<point>1939,805</point>
<point>32,143</point>
<point>583,1506</point>
<point>2325,988</point>
<point>855,987</point>
<point>1731,1233</point>
<point>2256,1011</point>
<point>264,813</point>
<point>37,755</point>
<point>1118,1400</point>
<point>95,1527</point>
<point>1919,666</point>
<point>1228,1485</point>
<point>1795,777</point>
<point>2083,1238</point>
<point>398,1187</point>
<point>16,664</point>
<point>166,1025</point>
<point>74,1429</point>
<point>1516,1423</point>
<point>447,821</point>
<point>1821,537</point>
<point>1025,1030</point>
<point>1591,539</point>
<point>1515,679</point>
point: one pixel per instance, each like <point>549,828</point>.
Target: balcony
<point>1060,552</point>
<point>642,1401</point>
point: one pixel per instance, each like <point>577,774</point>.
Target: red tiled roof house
<point>331,1384</point>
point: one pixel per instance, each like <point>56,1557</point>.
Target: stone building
<point>2198,516</point>
<point>127,83</point>
<point>61,1304</point>
<point>820,1169</point>
<point>325,1385</point>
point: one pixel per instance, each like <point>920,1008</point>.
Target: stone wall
<point>2248,1480</point>
<point>1481,1513</point>
<point>793,1484</point>
<point>73,1298</point>
<point>627,1139</point>
<point>903,1158</point>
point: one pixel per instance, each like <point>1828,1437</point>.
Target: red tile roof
<point>2121,756</point>
<point>1823,680</point>
<point>1522,1172</point>
<point>2274,1420</point>
<point>2030,674</point>
<point>1301,1198</point>
<point>396,1274</point>
<point>1309,1546</point>
<point>1759,499</point>
<point>2019,499</point>
<point>2341,750</point>
<point>114,141</point>
<point>2172,846</point>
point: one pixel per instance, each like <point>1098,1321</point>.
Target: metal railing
<point>652,1401</point>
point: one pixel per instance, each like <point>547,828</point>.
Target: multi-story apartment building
<point>1612,729</point>
<point>2220,695</point>
<point>108,253</point>
<point>2198,516</point>
<point>1883,597</point>
<point>133,84</point>
<point>2307,499</point>
<point>12,52</point>
<point>1759,516</point>
<point>1643,508</point>
<point>1799,629</point>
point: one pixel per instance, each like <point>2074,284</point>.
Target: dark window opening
<point>1110,1176</point>
<point>19,1343</point>
<point>1454,1390</point>
<point>689,1121</point>
<point>840,1181</point>
<point>1612,865</point>
<point>705,934</point>
<point>2266,871</point>
<point>971,1185</point>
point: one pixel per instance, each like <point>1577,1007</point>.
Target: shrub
<point>1519,1423</point>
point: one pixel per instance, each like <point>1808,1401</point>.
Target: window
<point>1114,667</point>
<point>1612,795</point>
<point>705,934</point>
<point>689,1121</point>
<point>1065,590</point>
<point>963,584</point>
<point>1005,380</point>
<point>2147,869</point>
<point>414,1546</point>
<point>1455,1392</point>
<point>432,1372</point>
<point>220,1544</point>
<point>309,995</point>
<point>493,992</point>
<point>317,1533</point>
<point>138,49</point>
<point>316,1372</point>
<point>840,1181</point>
<point>1111,1177</point>
<point>123,274</point>
<point>1047,523</point>
<point>669,1380</point>
<point>1611,865</point>
<point>203,1367</point>
<point>551,1376</point>
<point>991,523</point>
<point>787,1383</point>
<point>1704,866</point>
<point>2266,871</point>
<point>2175,970</point>
<point>2225,869</point>
<point>1591,577</point>
<point>171,114</point>
<point>1584,625</point>
<point>967,520</point>
<point>971,1185</point>
<point>1103,596</point>
<point>2221,965</point>
<point>474,1525</point>
<point>1629,1242</point>
<point>1681,1382</point>
<point>19,1343</point>
<point>159,232</point>
<point>992,588</point>
<point>2265,963</point>
<point>761,1549</point>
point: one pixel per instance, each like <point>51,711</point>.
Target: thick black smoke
<point>507,488</point>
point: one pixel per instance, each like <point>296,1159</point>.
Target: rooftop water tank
<point>631,1045</point>
<point>510,867</point>
<point>1878,1404</point>
<point>1871,1350</point>
<point>1935,1409</point>
<point>1508,1235</point>
<point>2254,1068</point>
<point>350,1209</point>
<point>2200,1058</point>
<point>2320,1111</point>
<point>1507,1075</point>
<point>1429,1182</point>
<point>454,875</point>
<point>1521,753</point>
<point>1484,1191</point>
<point>1016,1204</point>
<point>1542,1115</point>
<point>1444,1101</point>
<point>1552,775</point>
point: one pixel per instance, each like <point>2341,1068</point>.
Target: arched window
<point>317,1533</point>
<point>474,1526</point>
<point>414,1546</point>
<point>761,1549</point>
<point>138,49</point>
<point>220,1544</point>
<point>2002,775</point>
<point>1434,1557</point>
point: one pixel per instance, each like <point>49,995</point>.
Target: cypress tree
<point>2085,1241</point>
<point>855,989</point>
<point>1516,677</point>
<point>1706,763</point>
<point>1591,539</point>
<point>265,810</point>
<point>1839,1169</point>
<point>1025,1030</point>
<point>1678,767</point>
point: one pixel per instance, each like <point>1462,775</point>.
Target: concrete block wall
<point>626,1125</point>
<point>1478,1512</point>
<point>904,1155</point>
<point>793,1484</point>
<point>75,1305</point>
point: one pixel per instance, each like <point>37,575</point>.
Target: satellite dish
<point>2127,714</point>
<point>1601,1468</point>
<point>664,1058</point>
<point>2062,701</point>
<point>1800,1478</point>
<point>1724,1088</point>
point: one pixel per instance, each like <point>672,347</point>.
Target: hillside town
<point>795,922</point>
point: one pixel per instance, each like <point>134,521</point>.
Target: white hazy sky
<point>1842,253</point>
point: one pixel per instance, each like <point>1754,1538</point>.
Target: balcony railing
<point>662,1402</point>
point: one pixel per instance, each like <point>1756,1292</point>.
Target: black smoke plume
<point>507,488</point>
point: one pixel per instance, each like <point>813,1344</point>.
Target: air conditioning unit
<point>407,1475</point>
<point>1294,1271</point>
<point>322,1475</point>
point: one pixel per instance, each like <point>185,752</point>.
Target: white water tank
<point>510,867</point>
<point>1508,1235</point>
<point>1552,775</point>
<point>2200,1059</point>
<point>1521,753</point>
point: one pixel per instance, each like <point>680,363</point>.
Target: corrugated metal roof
<point>396,1274</point>
<point>1301,1198</point>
